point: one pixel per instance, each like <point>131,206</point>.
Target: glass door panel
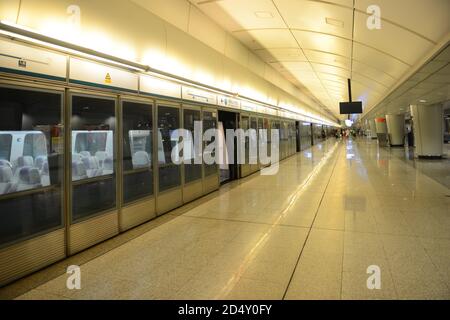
<point>168,138</point>
<point>137,146</point>
<point>210,122</point>
<point>31,163</point>
<point>93,125</point>
<point>192,171</point>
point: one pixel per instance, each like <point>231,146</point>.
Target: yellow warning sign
<point>108,78</point>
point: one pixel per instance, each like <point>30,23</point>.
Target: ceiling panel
<point>428,86</point>
<point>391,39</point>
<point>445,71</point>
<point>369,84</point>
<point>443,56</point>
<point>327,58</point>
<point>432,66</point>
<point>336,84</point>
<point>266,39</point>
<point>418,77</point>
<point>407,13</point>
<point>331,70</point>
<point>297,66</point>
<point>287,54</point>
<point>332,77</point>
<point>323,42</point>
<point>373,73</point>
<point>380,61</point>
<point>251,14</point>
<point>311,15</point>
<point>438,78</point>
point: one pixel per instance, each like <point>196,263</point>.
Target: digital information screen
<point>350,107</point>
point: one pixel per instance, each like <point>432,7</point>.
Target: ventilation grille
<point>92,231</point>
<point>31,255</point>
<point>136,214</point>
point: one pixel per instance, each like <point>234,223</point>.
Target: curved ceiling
<point>320,44</point>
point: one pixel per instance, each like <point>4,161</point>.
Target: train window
<point>5,146</point>
<point>168,138</point>
<point>210,122</point>
<point>192,171</point>
<point>31,163</point>
<point>137,144</point>
<point>93,156</point>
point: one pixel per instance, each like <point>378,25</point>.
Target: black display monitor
<point>350,107</point>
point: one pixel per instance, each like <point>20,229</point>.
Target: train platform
<point>333,216</point>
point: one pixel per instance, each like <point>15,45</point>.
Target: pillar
<point>373,129</point>
<point>428,130</point>
<point>381,131</point>
<point>396,129</point>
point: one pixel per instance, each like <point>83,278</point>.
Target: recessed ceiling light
<point>422,100</point>
<point>264,14</point>
<point>334,22</point>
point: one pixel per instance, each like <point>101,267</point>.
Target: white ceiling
<point>320,44</point>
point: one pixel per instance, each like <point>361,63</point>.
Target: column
<point>428,130</point>
<point>381,131</point>
<point>373,129</point>
<point>396,129</point>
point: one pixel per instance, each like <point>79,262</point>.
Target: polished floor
<point>309,232</point>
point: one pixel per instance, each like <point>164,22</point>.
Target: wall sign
<point>198,95</point>
<point>26,60</point>
<point>100,75</point>
<point>160,87</point>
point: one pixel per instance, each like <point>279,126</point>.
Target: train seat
<point>85,154</point>
<point>101,156</point>
<point>5,163</point>
<point>28,178</point>
<point>76,157</point>
<point>40,162</point>
<point>6,178</point>
<point>140,159</point>
<point>92,166</point>
<point>78,170</point>
<point>24,161</point>
<point>108,165</point>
